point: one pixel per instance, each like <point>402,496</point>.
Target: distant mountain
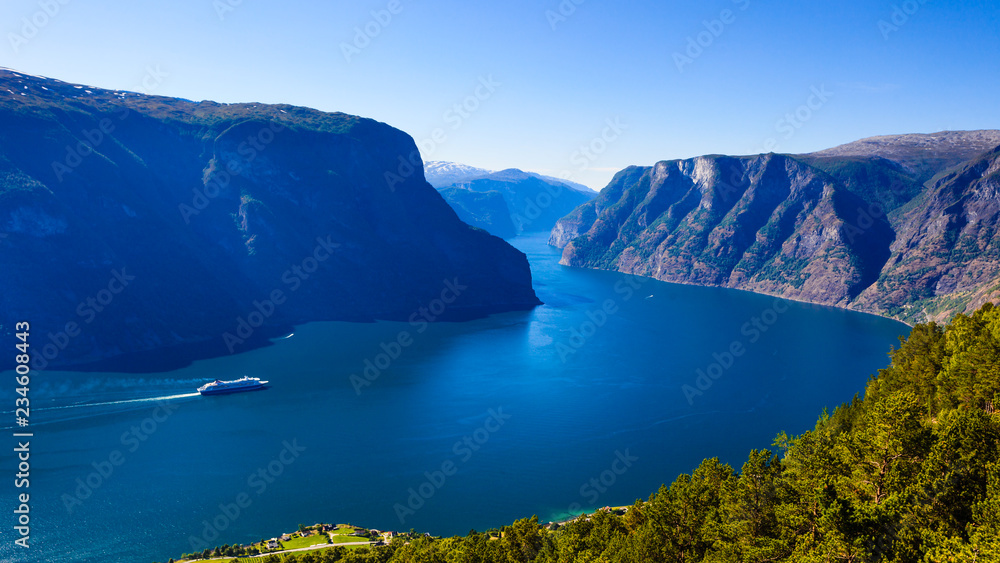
<point>533,204</point>
<point>576,186</point>
<point>441,174</point>
<point>899,226</point>
<point>138,223</point>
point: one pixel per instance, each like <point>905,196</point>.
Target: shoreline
<point>184,354</point>
<point>380,537</point>
<point>751,292</point>
<point>276,545</point>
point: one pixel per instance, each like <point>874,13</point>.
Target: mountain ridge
<point>533,203</point>
<point>441,174</point>
<point>830,229</point>
<point>213,210</point>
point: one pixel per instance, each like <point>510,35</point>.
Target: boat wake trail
<point>88,410</point>
<point>123,402</point>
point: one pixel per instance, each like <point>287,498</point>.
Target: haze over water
<point>523,410</point>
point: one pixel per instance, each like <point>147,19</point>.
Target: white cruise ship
<point>219,387</point>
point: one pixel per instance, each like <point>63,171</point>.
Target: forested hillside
<point>907,473</point>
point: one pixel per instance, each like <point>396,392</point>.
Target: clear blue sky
<point>557,80</point>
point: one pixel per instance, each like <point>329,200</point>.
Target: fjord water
<point>574,405</point>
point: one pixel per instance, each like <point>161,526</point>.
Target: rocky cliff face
<point>857,230</point>
<point>148,222</point>
<point>769,223</point>
<point>946,257</point>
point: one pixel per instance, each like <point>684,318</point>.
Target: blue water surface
<point>578,404</point>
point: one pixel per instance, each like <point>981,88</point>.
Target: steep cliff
<point>900,226</point>
<point>149,222</point>
<point>768,223</point>
<point>946,257</point>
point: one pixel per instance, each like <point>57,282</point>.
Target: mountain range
<point>441,174</point>
<point>133,224</point>
<point>137,224</point>
<point>511,202</point>
<point>901,226</point>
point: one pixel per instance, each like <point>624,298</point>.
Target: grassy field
<point>296,543</point>
<point>283,556</point>
<point>341,536</point>
<point>348,539</point>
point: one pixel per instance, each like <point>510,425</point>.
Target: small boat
<point>219,387</point>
